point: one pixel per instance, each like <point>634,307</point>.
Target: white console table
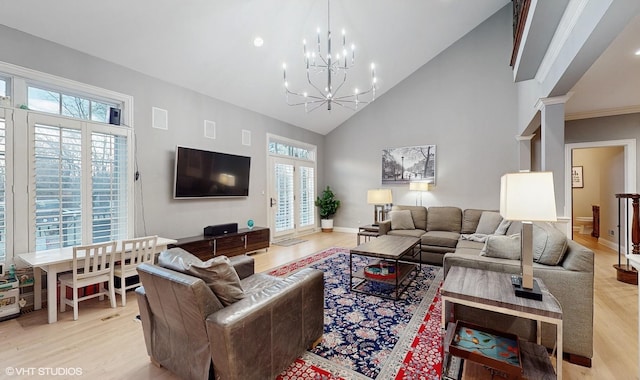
<point>54,261</point>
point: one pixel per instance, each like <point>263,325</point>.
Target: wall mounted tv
<point>207,174</point>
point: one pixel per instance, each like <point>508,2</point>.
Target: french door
<point>292,195</point>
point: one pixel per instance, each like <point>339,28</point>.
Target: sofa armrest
<point>384,227</point>
<point>243,264</point>
<point>259,336</point>
<point>145,317</point>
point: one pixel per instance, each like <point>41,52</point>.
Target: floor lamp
<point>379,198</point>
<point>527,197</point>
<point>422,187</point>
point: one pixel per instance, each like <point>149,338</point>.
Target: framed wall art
<point>577,181</point>
<point>409,164</point>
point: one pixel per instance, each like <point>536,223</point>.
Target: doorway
<point>292,188</point>
<point>597,171</point>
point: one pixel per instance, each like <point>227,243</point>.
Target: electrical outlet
<point>612,233</point>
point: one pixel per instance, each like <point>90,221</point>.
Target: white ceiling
<point>207,45</point>
<point>611,86</point>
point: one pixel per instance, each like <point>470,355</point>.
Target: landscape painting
<point>409,164</point>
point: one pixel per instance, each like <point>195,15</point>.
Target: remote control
<point>516,280</point>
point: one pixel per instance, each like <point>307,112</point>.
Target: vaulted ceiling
<point>208,46</point>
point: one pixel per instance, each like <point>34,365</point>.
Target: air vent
<point>159,119</point>
<point>246,137</point>
<point>210,129</point>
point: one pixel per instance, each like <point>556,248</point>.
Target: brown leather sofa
<point>186,327</point>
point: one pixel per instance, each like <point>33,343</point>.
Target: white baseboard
<point>608,244</point>
<point>346,229</point>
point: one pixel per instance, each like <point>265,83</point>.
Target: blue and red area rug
<point>368,337</point>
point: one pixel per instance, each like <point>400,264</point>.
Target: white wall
<point>463,101</point>
<point>155,148</point>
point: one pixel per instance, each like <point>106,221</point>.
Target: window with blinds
<point>65,163</point>
<point>3,182</point>
<point>284,218</point>
<point>108,179</point>
<point>307,193</point>
<point>58,176</point>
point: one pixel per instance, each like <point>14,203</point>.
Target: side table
<point>368,232</point>
<point>487,290</point>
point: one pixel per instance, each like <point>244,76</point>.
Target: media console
<point>231,244</point>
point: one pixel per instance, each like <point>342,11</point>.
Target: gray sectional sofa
<point>450,237</point>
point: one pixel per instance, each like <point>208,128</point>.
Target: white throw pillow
<point>401,220</point>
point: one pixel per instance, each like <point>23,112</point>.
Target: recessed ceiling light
<point>258,41</point>
<point>637,52</point>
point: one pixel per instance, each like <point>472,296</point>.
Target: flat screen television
<point>206,174</point>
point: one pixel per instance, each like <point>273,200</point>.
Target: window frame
<point>7,115</point>
<point>19,240</point>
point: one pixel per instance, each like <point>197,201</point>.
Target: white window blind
<point>58,175</point>
<point>81,179</point>
<point>284,219</point>
<point>109,187</point>
<point>307,192</point>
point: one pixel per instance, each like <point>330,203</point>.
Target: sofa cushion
<point>502,247</point>
<point>413,233</point>
<point>418,213</point>
<point>549,244</point>
<point>503,227</point>
<point>441,238</point>
<point>470,219</point>
<point>444,219</point>
<point>217,273</point>
<point>401,220</point>
<point>489,221</point>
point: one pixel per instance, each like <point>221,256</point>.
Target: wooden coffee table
<point>395,249</point>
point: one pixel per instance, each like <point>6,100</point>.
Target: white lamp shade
<point>528,196</point>
<point>419,186</point>
<point>379,197</point>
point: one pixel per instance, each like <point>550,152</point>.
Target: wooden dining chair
<point>92,264</point>
<point>133,253</point>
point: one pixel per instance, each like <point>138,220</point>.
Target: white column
<point>552,143</point>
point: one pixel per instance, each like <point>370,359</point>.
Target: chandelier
<point>332,67</point>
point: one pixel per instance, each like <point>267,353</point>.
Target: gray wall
<point>609,128</point>
<point>463,101</point>
<point>156,148</point>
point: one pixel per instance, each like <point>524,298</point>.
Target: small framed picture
<point>577,181</point>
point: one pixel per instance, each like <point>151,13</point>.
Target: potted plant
<point>328,205</point>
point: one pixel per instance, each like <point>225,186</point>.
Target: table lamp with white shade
<point>422,187</point>
<point>379,198</point>
<point>527,197</point>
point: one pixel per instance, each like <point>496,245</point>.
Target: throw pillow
<point>502,227</point>
<point>549,244</point>
<point>217,273</point>
<point>489,221</point>
<point>401,220</point>
<point>502,247</point>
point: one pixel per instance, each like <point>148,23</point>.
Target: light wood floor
<point>107,343</point>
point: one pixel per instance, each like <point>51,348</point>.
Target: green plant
<point>327,203</point>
